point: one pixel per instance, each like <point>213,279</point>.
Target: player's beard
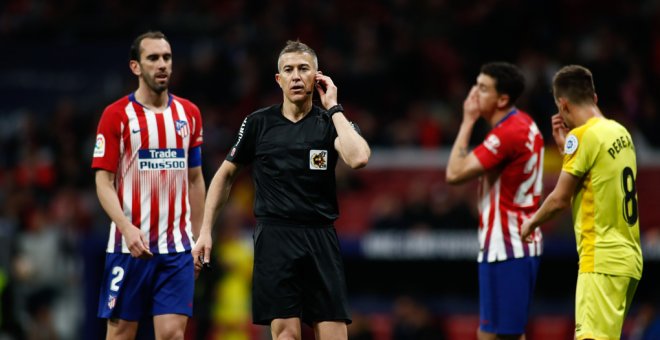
<point>156,86</point>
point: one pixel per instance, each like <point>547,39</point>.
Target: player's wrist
<point>125,226</point>
<point>467,123</point>
<point>334,109</point>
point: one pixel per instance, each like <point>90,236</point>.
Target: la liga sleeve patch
<point>571,144</point>
<point>99,146</point>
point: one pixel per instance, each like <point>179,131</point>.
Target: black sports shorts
<point>298,272</point>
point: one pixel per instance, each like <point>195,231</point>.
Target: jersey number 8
<point>630,197</point>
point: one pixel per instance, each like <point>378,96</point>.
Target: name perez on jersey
<point>620,144</point>
<point>161,159</point>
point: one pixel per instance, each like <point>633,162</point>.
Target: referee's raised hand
<point>327,90</point>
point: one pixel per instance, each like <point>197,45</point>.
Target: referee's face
<point>296,76</point>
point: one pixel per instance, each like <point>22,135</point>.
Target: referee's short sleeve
<point>242,151</point>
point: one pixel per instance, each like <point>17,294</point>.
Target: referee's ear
<point>277,80</point>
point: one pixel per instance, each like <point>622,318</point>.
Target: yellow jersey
<point>605,214</point>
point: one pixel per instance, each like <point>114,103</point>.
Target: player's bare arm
<point>196,195</point>
<point>352,148</point>
<point>136,240</point>
<point>558,200</point>
<point>463,165</point>
<point>217,197</point>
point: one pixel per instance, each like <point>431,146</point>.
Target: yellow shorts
<point>601,304</point>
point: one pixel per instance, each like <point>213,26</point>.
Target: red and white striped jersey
<point>510,190</point>
<point>148,153</point>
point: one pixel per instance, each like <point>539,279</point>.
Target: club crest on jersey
<point>492,143</point>
<point>99,147</point>
<point>182,128</point>
<point>318,159</point>
<point>112,301</point>
<point>571,145</point>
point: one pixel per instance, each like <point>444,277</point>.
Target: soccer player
<point>149,181</point>
<point>294,148</point>
<point>598,179</point>
<point>509,165</point>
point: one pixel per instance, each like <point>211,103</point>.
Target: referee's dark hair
<point>508,79</point>
<point>297,47</point>
<point>134,53</point>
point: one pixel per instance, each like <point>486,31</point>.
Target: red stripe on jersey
<point>125,136</point>
<point>176,115</point>
<point>184,211</point>
<point>144,139</point>
<point>156,180</point>
<point>120,194</point>
<point>172,194</point>
<point>170,217</point>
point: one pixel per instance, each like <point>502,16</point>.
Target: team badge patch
<point>492,143</point>
<point>182,128</point>
<point>99,147</point>
<point>112,301</point>
<point>318,159</point>
<point>571,144</point>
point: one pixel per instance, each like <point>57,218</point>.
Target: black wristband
<point>337,108</point>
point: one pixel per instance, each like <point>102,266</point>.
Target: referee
<point>293,147</point>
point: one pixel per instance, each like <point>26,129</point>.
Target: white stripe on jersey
<point>532,248</point>
<point>113,225</point>
<point>156,176</point>
<point>186,146</point>
<point>496,248</point>
<point>485,209</point>
<point>179,185</point>
<point>176,223</point>
<point>535,248</point>
<point>181,112</point>
<point>514,234</point>
<point>132,182</point>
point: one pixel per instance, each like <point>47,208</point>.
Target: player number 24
<point>533,185</point>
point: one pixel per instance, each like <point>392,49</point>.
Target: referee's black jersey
<point>293,165</point>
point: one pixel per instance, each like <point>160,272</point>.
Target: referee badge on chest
<point>318,159</point>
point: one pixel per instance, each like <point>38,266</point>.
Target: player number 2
<point>118,273</point>
<point>630,197</point>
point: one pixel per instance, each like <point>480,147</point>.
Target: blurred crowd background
<point>402,67</point>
